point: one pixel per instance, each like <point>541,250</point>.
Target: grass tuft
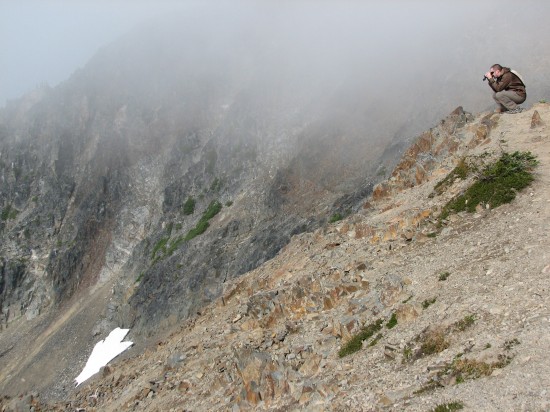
<point>448,407</point>
<point>443,276</point>
<point>356,342</point>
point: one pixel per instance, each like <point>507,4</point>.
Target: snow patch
<point>103,352</point>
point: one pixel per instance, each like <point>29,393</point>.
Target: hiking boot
<point>514,111</point>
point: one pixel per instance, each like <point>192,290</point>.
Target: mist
<point>421,58</point>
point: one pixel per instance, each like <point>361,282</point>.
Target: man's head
<point>496,70</point>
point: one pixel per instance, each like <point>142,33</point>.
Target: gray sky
<point>47,40</point>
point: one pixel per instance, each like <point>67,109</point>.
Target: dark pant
<point>508,99</point>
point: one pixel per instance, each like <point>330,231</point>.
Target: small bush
<point>465,323</point>
<point>213,209</point>
<point>431,343</point>
<point>443,276</point>
<point>160,247</point>
<point>189,206</point>
<point>335,217</point>
<point>428,302</point>
<point>163,248</point>
<point>392,322</point>
<point>356,342</point>
<point>448,407</point>
<point>199,229</point>
<point>466,369</point>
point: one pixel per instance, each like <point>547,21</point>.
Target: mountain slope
<point>479,285</point>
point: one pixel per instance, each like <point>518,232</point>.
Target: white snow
<point>103,352</point>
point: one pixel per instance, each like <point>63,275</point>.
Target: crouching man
<point>508,87</point>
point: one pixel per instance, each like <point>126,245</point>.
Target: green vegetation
<point>407,353</point>
<point>428,302</point>
<point>448,407</point>
<point>138,279</point>
<point>464,323</point>
<point>212,210</point>
<point>199,229</point>
<point>356,342</point>
<point>189,206</point>
<point>335,217</point>
<point>497,184</point>
<point>165,247</point>
<point>461,370</point>
<point>392,322</point>
<point>160,247</point>
<point>9,212</point>
<point>443,276</point>
<point>467,369</point>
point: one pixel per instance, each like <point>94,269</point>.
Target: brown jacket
<point>508,81</point>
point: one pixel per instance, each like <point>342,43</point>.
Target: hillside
<point>470,300</point>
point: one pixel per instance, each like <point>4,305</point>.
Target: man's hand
<point>489,75</point>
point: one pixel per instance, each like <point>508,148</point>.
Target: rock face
<point>95,174</point>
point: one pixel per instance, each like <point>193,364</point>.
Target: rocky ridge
<point>479,284</point>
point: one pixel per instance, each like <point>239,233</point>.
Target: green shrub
<point>428,302</point>
<point>189,206</point>
<point>199,229</point>
<point>163,248</point>
<point>356,342</point>
<point>335,217</point>
<point>392,322</point>
<point>448,407</point>
<point>497,185</point>
<point>213,209</point>
<point>443,276</point>
<point>160,246</point>
<point>465,323</point>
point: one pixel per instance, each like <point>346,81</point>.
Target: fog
<point>420,56</point>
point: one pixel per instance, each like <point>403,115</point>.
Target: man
<point>508,87</point>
